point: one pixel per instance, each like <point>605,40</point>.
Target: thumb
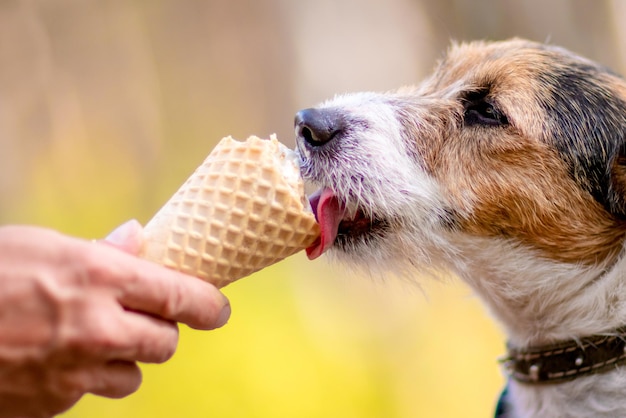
<point>127,237</point>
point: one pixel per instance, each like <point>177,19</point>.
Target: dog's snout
<point>318,126</point>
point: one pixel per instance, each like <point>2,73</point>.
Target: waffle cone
<point>242,210</point>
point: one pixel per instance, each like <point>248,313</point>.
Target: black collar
<point>568,360</point>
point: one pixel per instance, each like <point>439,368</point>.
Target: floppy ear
<point>616,191</point>
<point>617,187</point>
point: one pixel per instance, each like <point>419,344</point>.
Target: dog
<point>506,166</point>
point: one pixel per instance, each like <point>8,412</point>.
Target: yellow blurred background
<point>107,106</point>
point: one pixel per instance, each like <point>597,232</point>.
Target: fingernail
<point>121,235</point>
<point>224,315</point>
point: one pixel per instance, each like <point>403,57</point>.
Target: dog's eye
<point>479,111</point>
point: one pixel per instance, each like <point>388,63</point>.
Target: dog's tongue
<point>328,210</point>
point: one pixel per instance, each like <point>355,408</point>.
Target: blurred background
<point>107,106</point>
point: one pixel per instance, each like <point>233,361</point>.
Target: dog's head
<point>512,142</point>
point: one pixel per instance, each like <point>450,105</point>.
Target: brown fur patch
<point>523,191</point>
<point>510,181</point>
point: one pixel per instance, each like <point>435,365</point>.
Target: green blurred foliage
<point>107,106</point>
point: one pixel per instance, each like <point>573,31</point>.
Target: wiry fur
<point>365,183</point>
<point>507,167</point>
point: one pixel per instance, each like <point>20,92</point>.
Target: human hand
<point>77,316</point>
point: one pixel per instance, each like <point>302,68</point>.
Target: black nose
<point>318,126</point>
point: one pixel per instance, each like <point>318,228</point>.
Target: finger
<point>117,379</point>
<point>147,339</point>
<point>114,379</point>
<point>106,331</point>
<point>179,298</point>
<point>148,287</point>
<point>127,237</point>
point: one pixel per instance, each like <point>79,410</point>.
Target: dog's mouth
<point>337,225</point>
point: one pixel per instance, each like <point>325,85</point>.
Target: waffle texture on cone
<point>242,210</point>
